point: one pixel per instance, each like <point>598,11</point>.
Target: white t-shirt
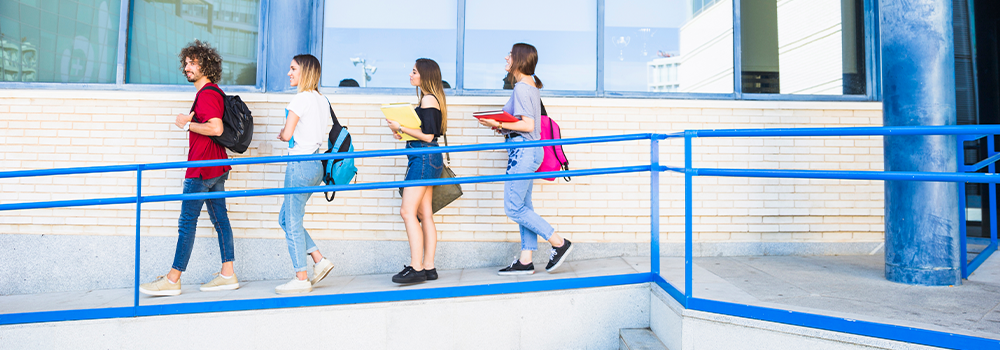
<point>313,128</point>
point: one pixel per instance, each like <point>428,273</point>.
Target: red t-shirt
<point>208,105</point>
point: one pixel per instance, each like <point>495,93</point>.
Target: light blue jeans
<point>517,195</point>
<point>293,209</point>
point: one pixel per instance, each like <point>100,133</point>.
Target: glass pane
<point>59,41</point>
<point>803,46</point>
<point>375,43</point>
<point>160,29</point>
<point>668,45</point>
<point>562,31</point>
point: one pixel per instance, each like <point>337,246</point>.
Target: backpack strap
<point>333,115</point>
<point>223,94</point>
<point>340,139</point>
<point>216,90</point>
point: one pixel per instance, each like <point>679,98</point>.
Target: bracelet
<point>501,125</point>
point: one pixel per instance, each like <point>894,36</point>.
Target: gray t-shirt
<point>525,101</point>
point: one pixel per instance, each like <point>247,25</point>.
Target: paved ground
<point>851,287</point>
<point>842,286</point>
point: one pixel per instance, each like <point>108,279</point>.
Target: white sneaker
<point>320,270</point>
<point>294,286</point>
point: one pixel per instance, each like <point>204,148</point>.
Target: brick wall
<point>46,129</point>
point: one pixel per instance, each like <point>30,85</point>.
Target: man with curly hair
<point>202,65</point>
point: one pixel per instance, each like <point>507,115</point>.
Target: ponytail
<point>524,57</point>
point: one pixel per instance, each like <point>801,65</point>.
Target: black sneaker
<point>558,255</point>
<point>516,268</point>
<point>409,275</point>
<point>432,274</point>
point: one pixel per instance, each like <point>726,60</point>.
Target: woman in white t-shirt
<point>306,128</point>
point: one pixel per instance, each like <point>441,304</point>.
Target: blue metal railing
<point>314,300</point>
<point>886,331</point>
<point>685,298</point>
<point>991,158</point>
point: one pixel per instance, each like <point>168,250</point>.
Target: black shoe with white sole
<point>558,254</point>
<point>516,268</point>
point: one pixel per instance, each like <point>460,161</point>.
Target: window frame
<point>121,62</point>
<point>872,70</point>
<point>873,86</point>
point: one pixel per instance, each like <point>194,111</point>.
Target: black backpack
<point>237,123</point>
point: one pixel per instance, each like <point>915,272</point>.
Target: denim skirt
<point>423,166</point>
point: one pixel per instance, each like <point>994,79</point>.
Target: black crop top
<point>430,120</point>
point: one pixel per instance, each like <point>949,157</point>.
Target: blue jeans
<point>293,209</point>
<point>517,195</point>
<point>188,222</point>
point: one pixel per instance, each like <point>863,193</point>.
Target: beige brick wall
<point>46,129</point>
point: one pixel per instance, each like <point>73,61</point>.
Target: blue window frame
<point>617,55</point>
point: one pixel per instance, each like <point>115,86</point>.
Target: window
<point>647,47</point>
<point>563,32</point>
<point>161,29</point>
<point>803,47</point>
<point>59,41</point>
<point>668,46</point>
<point>375,43</point>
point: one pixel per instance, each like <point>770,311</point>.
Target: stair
<point>639,339</point>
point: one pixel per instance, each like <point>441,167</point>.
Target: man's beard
<point>192,78</point>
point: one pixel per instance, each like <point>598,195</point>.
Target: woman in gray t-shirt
<point>526,104</point>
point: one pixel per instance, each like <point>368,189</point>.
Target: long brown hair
<point>309,72</point>
<point>523,58</point>
<point>430,84</point>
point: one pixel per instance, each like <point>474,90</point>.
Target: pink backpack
<point>554,159</point>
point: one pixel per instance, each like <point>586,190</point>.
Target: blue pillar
<point>921,218</point>
<point>288,31</point>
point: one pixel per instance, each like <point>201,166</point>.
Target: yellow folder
<point>403,114</point>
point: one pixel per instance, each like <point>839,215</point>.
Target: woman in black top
<point>416,208</point>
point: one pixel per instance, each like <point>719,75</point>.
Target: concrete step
<point>588,318</point>
<point>639,339</point>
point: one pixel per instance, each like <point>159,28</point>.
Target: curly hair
<point>208,58</point>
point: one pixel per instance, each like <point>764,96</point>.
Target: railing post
<point>138,221</point>
<point>993,191</point>
<point>688,216</point>
<point>654,203</point>
<point>963,244</point>
<point>962,212</point>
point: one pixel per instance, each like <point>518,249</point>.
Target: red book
<point>498,115</point>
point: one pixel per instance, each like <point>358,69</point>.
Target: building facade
<point>97,83</point>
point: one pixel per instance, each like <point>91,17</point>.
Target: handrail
<point>838,324</point>
<point>325,156</point>
<point>686,298</point>
<point>310,300</point>
<point>849,131</point>
<point>991,158</point>
<point>322,188</point>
